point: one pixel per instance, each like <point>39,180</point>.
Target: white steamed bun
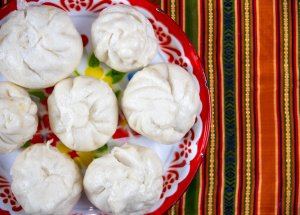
<point>128,180</point>
<point>44,181</point>
<point>123,38</point>
<point>39,46</point>
<point>18,117</point>
<point>161,102</point>
<point>83,112</point>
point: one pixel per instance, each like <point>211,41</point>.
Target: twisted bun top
<point>123,38</point>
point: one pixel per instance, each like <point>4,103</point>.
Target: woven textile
<point>250,52</point>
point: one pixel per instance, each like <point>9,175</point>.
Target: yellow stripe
<point>173,10</point>
<point>288,188</point>
<point>239,165</point>
<point>212,92</point>
<point>247,108</point>
<point>173,209</point>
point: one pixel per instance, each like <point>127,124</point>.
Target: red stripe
<point>219,104</point>
<point>180,12</point>
<point>295,108</point>
<point>278,109</point>
<point>165,8</point>
<point>180,205</point>
<point>168,7</point>
<point>240,107</point>
<point>255,107</point>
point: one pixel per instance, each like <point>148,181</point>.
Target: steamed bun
<point>128,180</point>
<point>39,46</point>
<point>18,117</point>
<point>83,112</point>
<point>123,38</point>
<point>161,102</point>
<point>44,181</point>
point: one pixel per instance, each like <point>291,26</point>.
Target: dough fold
<point>123,38</point>
<point>45,181</point>
<point>18,117</point>
<point>83,112</point>
<point>128,180</point>
<point>39,46</point>
<point>161,102</point>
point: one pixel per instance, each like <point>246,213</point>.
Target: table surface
<point>250,52</point>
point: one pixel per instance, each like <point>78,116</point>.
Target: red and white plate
<point>180,160</point>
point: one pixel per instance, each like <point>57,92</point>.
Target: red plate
<point>180,160</point>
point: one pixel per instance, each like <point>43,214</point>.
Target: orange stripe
<point>164,5</point>
<point>266,105</point>
<point>181,204</point>
<point>183,14</point>
<point>258,209</point>
<point>201,190</point>
<point>276,143</point>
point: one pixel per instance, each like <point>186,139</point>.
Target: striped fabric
<point>250,52</point>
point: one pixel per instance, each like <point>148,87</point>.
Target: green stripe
<point>192,196</point>
<point>191,21</point>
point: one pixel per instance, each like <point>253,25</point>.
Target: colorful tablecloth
<point>250,52</point>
